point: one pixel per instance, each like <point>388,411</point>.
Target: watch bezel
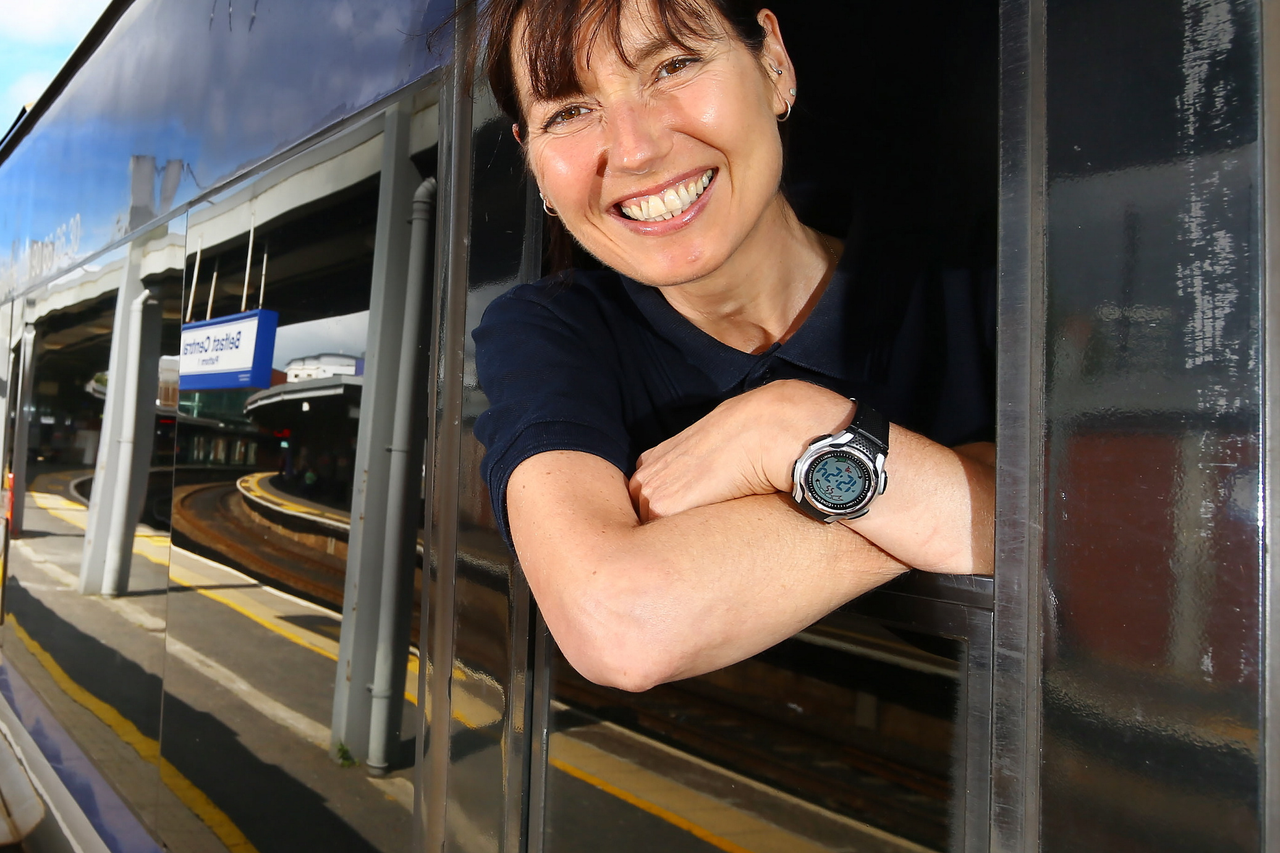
<point>872,471</point>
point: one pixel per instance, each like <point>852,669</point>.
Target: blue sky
<point>36,38</point>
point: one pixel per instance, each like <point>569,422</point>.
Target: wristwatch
<point>838,476</point>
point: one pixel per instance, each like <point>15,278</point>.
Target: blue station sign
<point>229,352</point>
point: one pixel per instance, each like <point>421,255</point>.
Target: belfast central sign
<point>230,352</point>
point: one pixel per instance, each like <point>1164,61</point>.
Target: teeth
<point>671,202</point>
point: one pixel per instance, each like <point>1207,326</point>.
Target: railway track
<point>212,518</point>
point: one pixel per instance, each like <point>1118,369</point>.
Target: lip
<point>675,223</point>
<point>669,182</point>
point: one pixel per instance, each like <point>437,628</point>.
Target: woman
<point>647,420</point>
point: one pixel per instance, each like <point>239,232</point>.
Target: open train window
<point>870,730</point>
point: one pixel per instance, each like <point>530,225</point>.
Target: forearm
<point>634,605</point>
<point>752,562</point>
<point>938,512</point>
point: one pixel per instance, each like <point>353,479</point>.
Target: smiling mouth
<point>669,203</point>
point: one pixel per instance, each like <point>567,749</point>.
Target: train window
<point>869,730</point>
<point>1155,430</point>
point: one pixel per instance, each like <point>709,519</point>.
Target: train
<point>264,605</point>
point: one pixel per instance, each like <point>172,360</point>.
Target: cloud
<point>48,21</point>
<point>28,87</point>
<point>21,92</point>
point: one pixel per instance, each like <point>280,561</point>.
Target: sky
<point>36,39</point>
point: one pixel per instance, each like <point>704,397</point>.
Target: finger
<point>642,508</point>
<point>635,486</point>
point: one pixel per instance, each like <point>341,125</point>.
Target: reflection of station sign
<point>230,352</point>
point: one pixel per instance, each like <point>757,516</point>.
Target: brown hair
<point>554,30</point>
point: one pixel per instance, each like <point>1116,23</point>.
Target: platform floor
<point>244,675</point>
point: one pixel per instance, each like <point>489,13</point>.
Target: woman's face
<point>664,170</point>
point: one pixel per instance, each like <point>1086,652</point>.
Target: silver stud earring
<point>777,71</point>
<point>793,93</point>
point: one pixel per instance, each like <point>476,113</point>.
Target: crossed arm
<point>701,560</point>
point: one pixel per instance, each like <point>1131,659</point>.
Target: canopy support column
<point>372,502</point>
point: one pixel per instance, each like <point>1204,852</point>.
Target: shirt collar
<point>725,365</point>
<point>822,344</point>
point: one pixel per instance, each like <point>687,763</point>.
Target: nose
<point>638,138</point>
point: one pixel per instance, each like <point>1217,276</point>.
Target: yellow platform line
<point>652,808</point>
<point>263,616</point>
<point>252,483</point>
<point>57,507</point>
<point>147,748</point>
<point>192,580</point>
<point>150,548</point>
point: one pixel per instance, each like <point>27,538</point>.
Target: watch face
<point>838,480</point>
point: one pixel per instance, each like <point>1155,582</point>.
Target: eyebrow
<point>652,48</point>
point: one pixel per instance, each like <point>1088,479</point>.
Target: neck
<point>767,287</point>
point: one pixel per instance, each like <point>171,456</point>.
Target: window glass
<point>276,464</point>
<point>87,570</point>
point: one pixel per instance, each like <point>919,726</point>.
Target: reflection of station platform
<point>250,737</point>
<point>259,489</point>
<point>253,522</point>
<point>298,544</point>
<point>253,686</point>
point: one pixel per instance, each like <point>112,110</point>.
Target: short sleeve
<point>549,368</point>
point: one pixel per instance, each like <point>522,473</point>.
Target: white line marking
<point>397,789</point>
<point>303,726</point>
<point>292,599</point>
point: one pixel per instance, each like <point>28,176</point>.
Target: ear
<point>774,56</point>
<point>515,131</point>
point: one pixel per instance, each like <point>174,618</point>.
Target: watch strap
<point>872,424</point>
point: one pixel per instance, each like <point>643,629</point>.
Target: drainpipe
<point>115,574</point>
<point>395,555</point>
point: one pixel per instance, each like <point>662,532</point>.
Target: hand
<point>745,446</point>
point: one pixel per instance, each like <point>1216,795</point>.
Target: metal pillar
<point>449,314</point>
<point>119,551</point>
<point>1269,509</point>
<point>1019,429</point>
<point>399,551</point>
<point>22,428</point>
<point>108,465</point>
<point>371,503</point>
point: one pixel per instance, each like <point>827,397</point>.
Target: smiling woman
<point>650,422</point>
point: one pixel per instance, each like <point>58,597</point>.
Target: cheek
<point>734,117</point>
<point>564,169</point>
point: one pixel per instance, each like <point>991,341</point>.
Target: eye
<point>565,115</point>
<point>673,66</point>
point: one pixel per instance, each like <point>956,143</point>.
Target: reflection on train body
<point>226,628</point>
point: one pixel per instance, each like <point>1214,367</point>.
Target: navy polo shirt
<point>596,362</point>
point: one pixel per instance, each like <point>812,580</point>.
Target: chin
<point>664,277</point>
<point>670,273</point>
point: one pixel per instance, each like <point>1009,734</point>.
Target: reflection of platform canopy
<point>282,405</point>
